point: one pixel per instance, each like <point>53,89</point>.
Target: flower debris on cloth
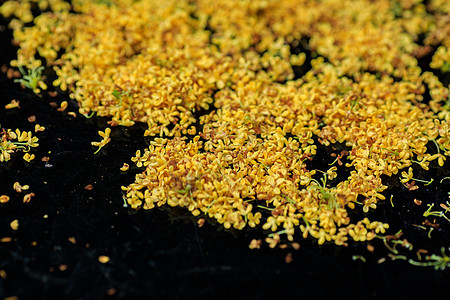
<point>245,163</point>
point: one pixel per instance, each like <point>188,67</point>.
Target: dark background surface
<point>163,252</point>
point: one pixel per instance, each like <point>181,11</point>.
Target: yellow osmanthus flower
<point>14,224</point>
<point>407,176</point>
<point>19,188</point>
<point>4,198</point>
<point>64,106</point>
<point>27,197</point>
<point>103,259</point>
<point>106,139</point>
<point>38,128</point>
<point>255,244</point>
<point>13,104</point>
<point>28,157</point>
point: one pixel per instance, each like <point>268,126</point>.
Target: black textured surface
<point>162,253</point>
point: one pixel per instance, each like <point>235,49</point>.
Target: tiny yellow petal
<point>14,224</point>
<point>103,259</point>
<point>125,167</point>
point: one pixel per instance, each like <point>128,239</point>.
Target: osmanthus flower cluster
<point>16,141</point>
<point>246,162</point>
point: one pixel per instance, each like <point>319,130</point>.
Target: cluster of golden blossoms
<point>245,161</point>
<point>15,141</point>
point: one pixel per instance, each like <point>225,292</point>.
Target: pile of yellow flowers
<point>234,125</point>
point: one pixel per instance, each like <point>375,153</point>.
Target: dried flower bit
<point>283,246</point>
<point>411,185</point>
<point>63,267</point>
<point>111,291</point>
<point>200,222</point>
<point>13,104</point>
<point>295,245</point>
<point>445,206</point>
<point>419,252</point>
<point>288,258</point>
<point>417,201</point>
<point>31,119</point>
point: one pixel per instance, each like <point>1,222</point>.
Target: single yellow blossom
<point>103,259</point>
<point>13,104</point>
<point>27,197</point>
<point>28,158</point>
<point>106,139</point>
<point>4,198</point>
<point>19,188</point>
<point>63,107</point>
<point>38,128</point>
